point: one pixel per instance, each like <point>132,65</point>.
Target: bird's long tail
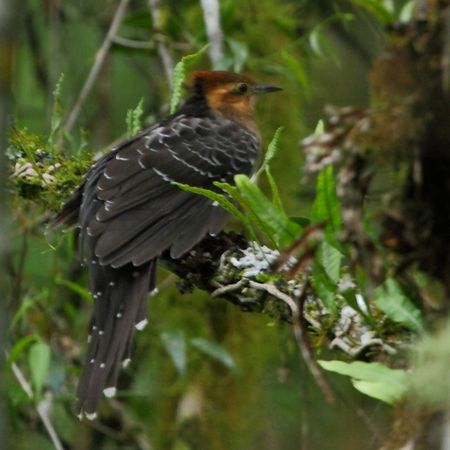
<point>120,307</point>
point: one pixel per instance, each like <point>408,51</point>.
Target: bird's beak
<point>265,88</point>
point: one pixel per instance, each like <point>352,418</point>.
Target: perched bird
<point>129,211</point>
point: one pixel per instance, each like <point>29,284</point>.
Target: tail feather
<point>119,305</point>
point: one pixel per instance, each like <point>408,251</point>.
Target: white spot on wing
<point>162,175</point>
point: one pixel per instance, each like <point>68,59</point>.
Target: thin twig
<point>299,333</point>
<point>361,414</point>
<point>275,292</point>
<point>132,43</point>
<point>100,58</point>
<point>312,233</point>
<point>164,54</point>
<point>230,288</point>
<point>211,16</point>
<point>298,325</point>
<point>149,45</point>
<point>42,407</point>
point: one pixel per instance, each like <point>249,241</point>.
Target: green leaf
<point>302,221</point>
<point>320,128</point>
<point>39,362</point>
<point>20,346</point>
<point>324,286</point>
<point>27,304</point>
<point>350,297</point>
<point>56,118</point>
<point>378,8</point>
<point>373,379</point>
<point>326,206</point>
<point>271,150</point>
<point>326,274</point>
<point>249,215</point>
<point>179,74</point>
<point>276,198</point>
<point>223,201</point>
<point>134,118</point>
<point>296,69</point>
<point>316,39</point>
<point>215,351</point>
<point>390,299</point>
<point>175,345</point>
<point>74,287</point>
<point>330,258</point>
<point>407,12</point>
<point>276,223</point>
<point>269,217</point>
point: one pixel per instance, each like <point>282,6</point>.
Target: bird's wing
<point>132,211</point>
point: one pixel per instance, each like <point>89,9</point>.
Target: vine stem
<point>42,407</point>
<point>298,326</point>
<point>163,51</point>
<point>99,61</point>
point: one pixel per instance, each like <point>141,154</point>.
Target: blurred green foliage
<point>204,375</point>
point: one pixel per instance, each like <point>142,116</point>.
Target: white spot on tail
<point>102,365</point>
<point>126,363</point>
<point>91,416</point>
<point>110,392</point>
<point>141,325</point>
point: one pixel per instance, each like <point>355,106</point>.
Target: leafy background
<point>204,374</point>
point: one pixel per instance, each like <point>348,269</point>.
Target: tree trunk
<point>6,49</point>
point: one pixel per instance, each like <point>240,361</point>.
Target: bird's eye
<point>241,88</point>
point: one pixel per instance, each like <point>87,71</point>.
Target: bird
<point>129,210</point>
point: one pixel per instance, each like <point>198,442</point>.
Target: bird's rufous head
<point>230,94</point>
